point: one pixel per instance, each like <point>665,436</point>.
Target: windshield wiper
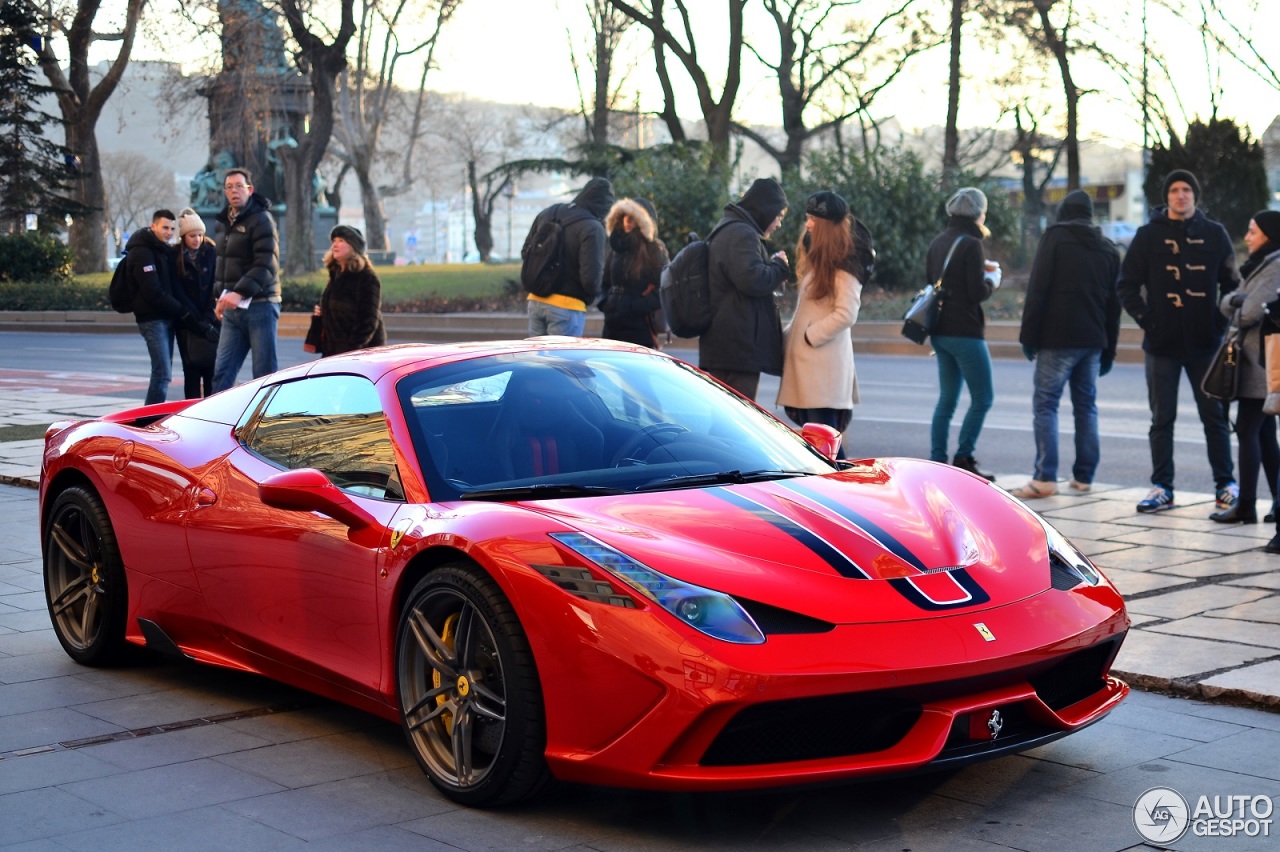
<point>537,491</point>
<point>724,477</point>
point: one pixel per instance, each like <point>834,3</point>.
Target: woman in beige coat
<point>818,380</point>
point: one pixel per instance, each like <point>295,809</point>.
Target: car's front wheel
<point>84,579</point>
<point>469,695</point>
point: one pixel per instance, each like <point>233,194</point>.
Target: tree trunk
<point>299,237</point>
<point>951,136</point>
<point>1058,45</point>
<point>482,214</point>
<point>87,236</point>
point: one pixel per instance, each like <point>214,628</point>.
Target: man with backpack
<point>745,336</point>
<point>148,262</point>
<point>563,261</point>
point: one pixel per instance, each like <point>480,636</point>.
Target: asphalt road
<point>898,394</point>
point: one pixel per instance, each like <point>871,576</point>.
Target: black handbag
<point>922,317</point>
<point>202,353</point>
<point>1222,379</point>
<point>315,334</point>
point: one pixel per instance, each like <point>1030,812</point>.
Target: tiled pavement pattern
<point>174,756</point>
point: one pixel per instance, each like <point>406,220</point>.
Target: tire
<point>470,701</point>
<point>84,579</point>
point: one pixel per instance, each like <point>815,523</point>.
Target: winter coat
<point>1260,289</point>
<point>746,330</point>
<point>193,283</point>
<point>584,244</point>
<point>1172,278</point>
<point>819,371</point>
<point>963,286</point>
<point>1072,302</point>
<point>351,311</point>
<point>148,262</point>
<point>248,252</point>
<point>631,289</point>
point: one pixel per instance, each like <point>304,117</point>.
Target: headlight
<point>711,612</point>
<point>1068,557</point>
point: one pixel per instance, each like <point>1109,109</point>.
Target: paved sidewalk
<point>1204,597</point>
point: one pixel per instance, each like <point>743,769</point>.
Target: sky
<point>517,51</point>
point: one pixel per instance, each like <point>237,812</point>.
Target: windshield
<point>588,422</point>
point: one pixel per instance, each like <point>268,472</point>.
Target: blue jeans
<point>1164,374</point>
<point>244,329</point>
<point>548,319</point>
<point>967,360</point>
<point>1055,369</point>
<point>159,337</point>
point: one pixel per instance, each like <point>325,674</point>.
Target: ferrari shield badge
<point>982,629</point>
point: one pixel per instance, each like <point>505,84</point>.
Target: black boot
<point>1237,514</point>
<point>970,464</point>
<point>1273,546</point>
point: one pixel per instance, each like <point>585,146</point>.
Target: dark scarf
<point>1255,259</point>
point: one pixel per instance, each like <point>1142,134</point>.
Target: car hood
<point>888,540</point>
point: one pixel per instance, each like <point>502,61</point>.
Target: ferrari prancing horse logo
<point>984,631</point>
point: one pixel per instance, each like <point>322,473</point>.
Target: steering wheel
<point>648,433</point>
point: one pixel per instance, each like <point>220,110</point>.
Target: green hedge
<point>33,257</point>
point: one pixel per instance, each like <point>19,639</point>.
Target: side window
<point>334,424</point>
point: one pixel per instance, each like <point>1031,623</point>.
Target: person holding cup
<point>959,339</point>
<point>1070,326</point>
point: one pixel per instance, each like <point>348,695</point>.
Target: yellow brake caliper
<point>448,635</point>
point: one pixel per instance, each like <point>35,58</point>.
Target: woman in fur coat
<point>818,380</point>
<point>635,262</point>
<point>351,306</point>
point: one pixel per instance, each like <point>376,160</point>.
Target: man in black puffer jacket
<point>1178,266</point>
<point>565,310</point>
<point>1070,325</point>
<point>745,337</point>
<point>247,281</point>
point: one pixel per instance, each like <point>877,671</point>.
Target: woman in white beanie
<point>194,265</point>
<point>959,339</point>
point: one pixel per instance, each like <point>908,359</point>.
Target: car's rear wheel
<point>84,579</point>
<point>469,695</point>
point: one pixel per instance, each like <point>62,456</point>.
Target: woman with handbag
<point>350,308</point>
<point>193,266</point>
<point>1255,430</point>
<point>819,384</point>
<point>959,341</point>
<point>631,274</point>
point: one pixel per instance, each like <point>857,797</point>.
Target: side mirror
<point>823,438</point>
<point>309,490</point>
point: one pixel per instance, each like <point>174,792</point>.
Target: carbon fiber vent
<point>1075,677</point>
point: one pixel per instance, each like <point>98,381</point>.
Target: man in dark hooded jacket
<point>565,310</point>
<point>745,337</point>
<point>1070,325</point>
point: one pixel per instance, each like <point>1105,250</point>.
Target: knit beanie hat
<point>827,205</point>
<point>188,221</point>
<point>1268,222</point>
<point>969,202</point>
<point>1184,176</point>
<point>763,201</point>
<point>1077,205</point>
<point>351,236</point>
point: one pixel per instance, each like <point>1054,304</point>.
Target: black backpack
<point>542,256</point>
<point>123,289</point>
<point>685,288</point>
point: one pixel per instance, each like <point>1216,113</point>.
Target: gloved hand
<point>209,331</point>
<point>1029,352</point>
<point>1108,358</point>
<point>1236,299</point>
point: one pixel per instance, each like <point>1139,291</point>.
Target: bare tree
<point>717,114</point>
<point>814,52</point>
<point>135,186</point>
<point>367,95</point>
<point>951,137</point>
<point>608,25</point>
<point>323,61</point>
<point>81,102</point>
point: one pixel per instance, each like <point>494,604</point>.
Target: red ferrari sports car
<point>581,560</point>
